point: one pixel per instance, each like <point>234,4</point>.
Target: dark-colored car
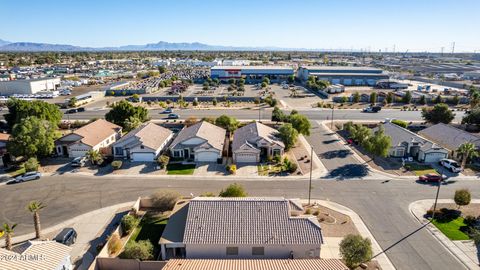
<point>81,109</point>
<point>67,236</point>
<point>70,111</point>
<point>173,116</point>
<point>431,177</point>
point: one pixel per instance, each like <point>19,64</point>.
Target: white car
<point>29,176</point>
<point>451,165</point>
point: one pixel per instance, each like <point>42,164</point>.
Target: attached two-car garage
<point>143,157</point>
<point>207,156</point>
<point>245,157</point>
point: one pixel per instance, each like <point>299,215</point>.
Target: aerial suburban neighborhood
<point>276,138</point>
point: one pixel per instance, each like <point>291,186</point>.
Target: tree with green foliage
<point>233,190</point>
<point>439,114</point>
<point>21,109</point>
<point>400,123</point>
<point>289,135</point>
<point>378,144</point>
<point>132,123</point>
<point>355,250</point>
<point>389,98</point>
<point>407,98</point>
<point>35,207</point>
<point>141,250</point>
<point>123,110</point>
<point>129,223</point>
<point>373,98</point>
<point>162,69</point>
<point>95,157</point>
<point>31,165</point>
<point>32,137</point>
<point>227,122</point>
<point>472,118</point>
<point>72,102</point>
<point>438,99</point>
<point>301,123</point>
<point>422,100</point>
<point>455,100</point>
<point>266,80</point>
<point>135,98</point>
<point>356,97</point>
<point>468,150</point>
<point>462,197</point>
<point>278,115</point>
<point>8,231</point>
<point>291,79</point>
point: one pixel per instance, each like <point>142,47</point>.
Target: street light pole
<point>333,108</point>
<point>438,192</point>
<point>311,168</point>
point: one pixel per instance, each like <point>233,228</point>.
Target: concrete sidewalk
<point>333,244</point>
<point>461,250</point>
<point>90,229</point>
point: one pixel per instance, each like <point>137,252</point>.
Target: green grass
<point>150,228</point>
<point>180,169</point>
<point>452,228</point>
<point>420,169</point>
<point>18,172</point>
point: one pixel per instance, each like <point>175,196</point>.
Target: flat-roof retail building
<point>28,87</point>
<point>349,76</point>
<point>252,73</point>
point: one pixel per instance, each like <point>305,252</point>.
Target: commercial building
<point>252,74</point>
<point>28,87</point>
<point>348,76</point>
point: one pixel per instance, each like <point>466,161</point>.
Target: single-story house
<point>201,142</point>
<point>38,255</point>
<point>266,264</point>
<point>241,228</point>
<point>254,141</point>
<point>98,135</point>
<point>449,137</point>
<point>142,144</point>
<point>408,144</point>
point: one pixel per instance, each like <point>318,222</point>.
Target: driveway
<point>206,169</point>
<point>247,169</point>
<point>337,158</point>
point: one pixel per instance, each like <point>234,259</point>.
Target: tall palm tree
<point>34,207</point>
<point>94,157</point>
<point>8,232</point>
<point>467,150</point>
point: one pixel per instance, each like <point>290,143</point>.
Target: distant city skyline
<point>370,25</point>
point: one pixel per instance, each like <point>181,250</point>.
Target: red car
<point>431,177</point>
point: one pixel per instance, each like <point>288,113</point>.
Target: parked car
<point>168,110</point>
<point>431,177</point>
<point>78,162</point>
<point>81,109</point>
<point>70,111</point>
<point>29,176</point>
<point>67,236</point>
<point>372,109</point>
<point>173,116</point>
<point>451,165</point>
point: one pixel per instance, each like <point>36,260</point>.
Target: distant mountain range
<point>160,46</point>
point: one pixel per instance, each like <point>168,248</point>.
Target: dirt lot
<point>334,224</point>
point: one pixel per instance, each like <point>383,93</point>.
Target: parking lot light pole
<point>311,168</point>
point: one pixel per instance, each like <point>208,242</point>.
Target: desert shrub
<point>165,200</point>
<point>117,164</point>
<point>400,123</point>
<point>233,169</point>
<point>114,244</point>
<point>141,250</point>
<point>233,190</point>
<point>163,161</point>
<point>292,167</point>
<point>316,213</point>
<point>308,211</point>
<point>31,165</point>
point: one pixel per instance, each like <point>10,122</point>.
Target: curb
<point>448,244</point>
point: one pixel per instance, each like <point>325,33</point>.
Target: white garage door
<point>434,157</point>
<point>145,157</point>
<point>245,158</point>
<point>206,157</point>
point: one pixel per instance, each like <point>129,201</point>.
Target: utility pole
<point>441,51</point>
<point>259,113</point>
<point>438,192</point>
<point>453,47</point>
<point>333,108</point>
<point>311,168</point>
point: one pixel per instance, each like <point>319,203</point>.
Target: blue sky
<point>417,25</point>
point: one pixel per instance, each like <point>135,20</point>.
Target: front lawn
<point>180,169</point>
<point>265,170</point>
<point>420,169</point>
<point>453,228</point>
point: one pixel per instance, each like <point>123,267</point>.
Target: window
<point>119,151</point>
<point>176,153</point>
<point>232,251</point>
<point>142,147</point>
<point>258,251</point>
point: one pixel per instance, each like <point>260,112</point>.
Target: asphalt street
<point>383,205</point>
<point>266,113</point>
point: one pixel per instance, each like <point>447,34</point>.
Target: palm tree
<point>8,232</point>
<point>34,207</point>
<point>467,150</point>
<point>95,157</point>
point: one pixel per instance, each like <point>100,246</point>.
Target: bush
<point>400,123</point>
<point>163,160</point>
<point>129,223</point>
<point>165,200</point>
<point>233,190</point>
<point>141,250</point>
<point>355,250</point>
<point>233,169</point>
<point>292,167</point>
<point>308,211</point>
<point>114,244</point>
<point>117,164</point>
<point>277,158</point>
<point>462,197</point>
<point>470,220</point>
<point>31,165</point>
